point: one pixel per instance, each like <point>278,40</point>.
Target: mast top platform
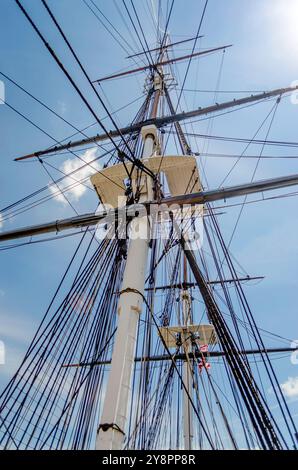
<point>181,173</point>
<point>203,334</point>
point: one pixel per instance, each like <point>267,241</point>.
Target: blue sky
<point>264,56</point>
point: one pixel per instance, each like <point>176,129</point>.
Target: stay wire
<point>61,66</point>
<point>132,158</point>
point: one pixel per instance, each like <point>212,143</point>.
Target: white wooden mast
<point>187,374</point>
<point>111,431</point>
<point>180,172</point>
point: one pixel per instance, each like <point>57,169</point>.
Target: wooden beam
<point>162,63</point>
<point>202,197</point>
<point>182,357</point>
<point>162,121</point>
<point>164,47</point>
<point>187,285</point>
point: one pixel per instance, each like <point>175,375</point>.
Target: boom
<point>162,121</point>
<point>202,197</point>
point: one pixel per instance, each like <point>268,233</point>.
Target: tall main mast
<point>111,431</point>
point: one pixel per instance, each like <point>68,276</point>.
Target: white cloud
<point>15,327</point>
<point>1,221</point>
<point>62,107</point>
<point>13,358</point>
<point>282,16</point>
<point>16,331</point>
<point>76,190</point>
<point>290,387</point>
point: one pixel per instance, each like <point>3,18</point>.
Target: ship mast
<point>187,368</point>
<point>88,311</point>
<point>111,431</point>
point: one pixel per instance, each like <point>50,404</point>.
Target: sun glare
<point>285,16</point>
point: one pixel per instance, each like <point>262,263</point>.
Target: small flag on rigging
<point>204,365</point>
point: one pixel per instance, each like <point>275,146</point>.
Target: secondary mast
<point>187,366</point>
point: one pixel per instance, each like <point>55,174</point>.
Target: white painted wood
<point>180,170</point>
<point>118,392</point>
